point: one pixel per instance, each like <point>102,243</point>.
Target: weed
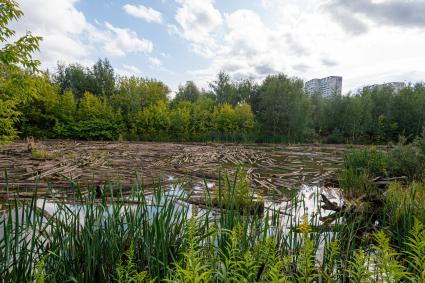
<point>44,154</point>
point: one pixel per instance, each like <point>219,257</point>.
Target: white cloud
<point>249,49</point>
<point>299,38</point>
<point>68,36</point>
<point>60,27</point>
<point>52,16</point>
<point>147,13</point>
<point>198,20</point>
<point>155,62</point>
<point>123,41</point>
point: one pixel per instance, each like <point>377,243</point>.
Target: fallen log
<point>329,205</point>
<point>382,183</point>
<point>253,208</point>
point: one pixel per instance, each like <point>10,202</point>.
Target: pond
<point>304,203</point>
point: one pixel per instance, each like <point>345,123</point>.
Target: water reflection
<point>305,205</point>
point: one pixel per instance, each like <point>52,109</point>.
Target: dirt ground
<point>271,168</point>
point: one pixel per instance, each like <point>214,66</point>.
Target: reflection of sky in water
<point>291,214</point>
<point>308,202</point>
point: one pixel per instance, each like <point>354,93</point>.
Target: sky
<point>364,41</point>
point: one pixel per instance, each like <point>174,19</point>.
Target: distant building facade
<point>396,86</point>
<point>326,86</point>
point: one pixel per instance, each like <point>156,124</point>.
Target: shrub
<point>407,160</point>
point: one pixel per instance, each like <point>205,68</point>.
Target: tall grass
<point>158,237</point>
<point>403,159</point>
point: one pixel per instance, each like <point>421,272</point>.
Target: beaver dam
<point>272,170</point>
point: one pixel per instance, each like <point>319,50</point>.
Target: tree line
<point>77,102</point>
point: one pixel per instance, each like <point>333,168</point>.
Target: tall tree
<point>188,92</point>
<point>96,119</point>
<point>75,78</point>
<point>103,78</point>
<point>14,88</point>
<point>284,107</point>
<point>224,89</point>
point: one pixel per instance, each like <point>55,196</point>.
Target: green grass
<point>369,161</point>
<point>5,142</point>
<point>44,154</point>
<point>160,239</point>
<point>362,166</point>
<point>237,191</point>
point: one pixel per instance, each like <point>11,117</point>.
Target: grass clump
<point>44,154</point>
<point>359,168</point>
<point>239,190</point>
<point>354,183</point>
<point>5,142</point>
<point>236,193</point>
<point>368,161</point>
<point>404,204</point>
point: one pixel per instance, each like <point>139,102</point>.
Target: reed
<point>162,238</point>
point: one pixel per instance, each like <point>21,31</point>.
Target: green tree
<point>74,78</point>
<point>244,118</point>
<point>246,89</point>
<point>39,117</point>
<point>153,122</point>
<point>96,119</point>
<point>65,113</point>
<point>18,52</point>
<point>224,90</point>
<point>180,120</point>
<point>224,119</point>
<point>103,78</point>
<point>284,109</point>
<point>201,117</point>
<point>14,89</point>
<point>188,92</point>
<point>142,92</point>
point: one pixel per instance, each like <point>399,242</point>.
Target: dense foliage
<point>93,103</point>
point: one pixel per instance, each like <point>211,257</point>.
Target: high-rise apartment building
<point>396,86</point>
<point>325,86</point>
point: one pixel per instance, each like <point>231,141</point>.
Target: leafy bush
<point>407,160</point>
<point>97,129</point>
<point>235,191</point>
